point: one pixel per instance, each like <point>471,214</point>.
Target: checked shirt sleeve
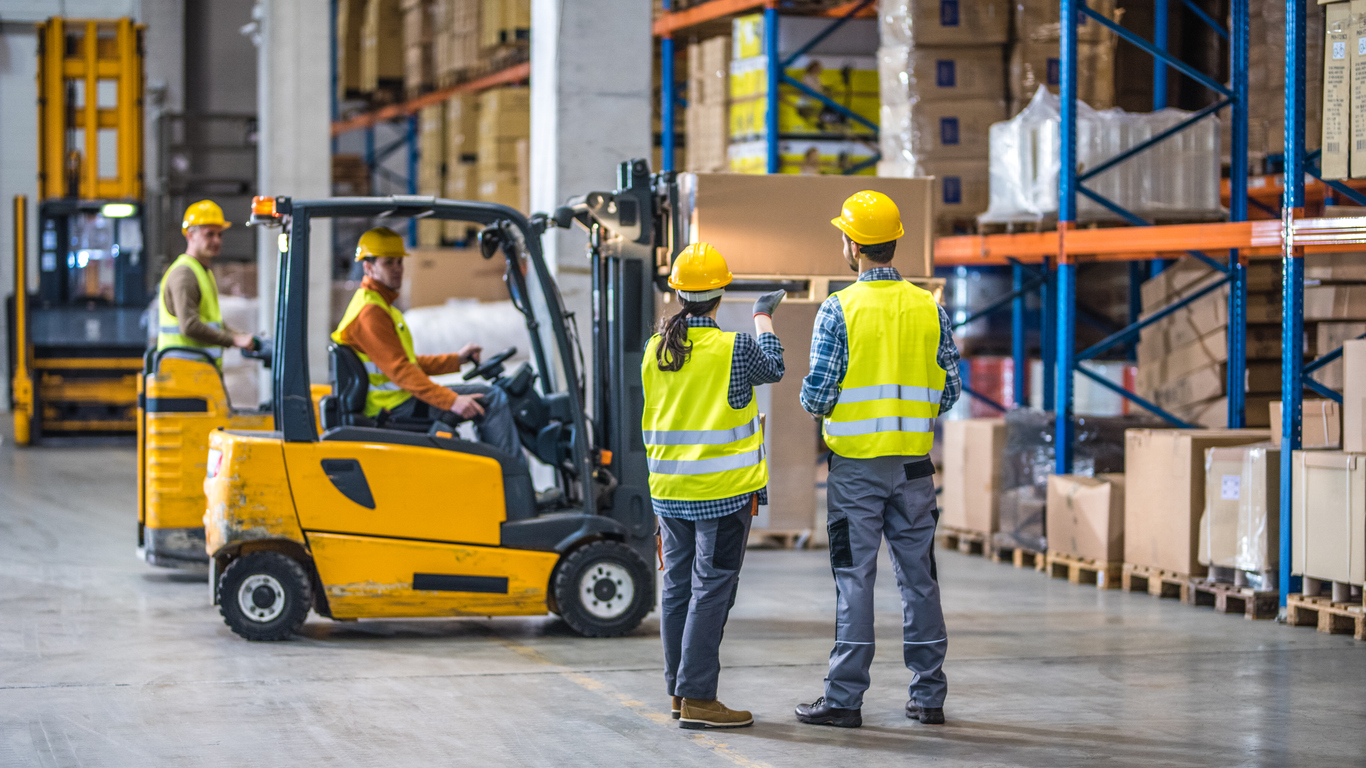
<point>948,360</point>
<point>829,359</point>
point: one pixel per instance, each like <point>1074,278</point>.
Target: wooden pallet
<point>1155,581</point>
<point>762,539</point>
<point>1080,570</point>
<point>1231,598</point>
<point>962,540</point>
<point>1019,557</point>
<point>1328,616</point>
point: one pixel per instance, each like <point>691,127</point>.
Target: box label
<point>948,131</point>
<point>948,13</point>
<point>953,190</point>
<point>1339,49</point>
<point>945,75</point>
<point>1230,487</point>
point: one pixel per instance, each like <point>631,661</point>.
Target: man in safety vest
<point>883,366</point>
<point>187,304</point>
<point>400,383</point>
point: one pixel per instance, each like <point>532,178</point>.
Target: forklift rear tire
<point>264,596</point>
<point>603,589</point>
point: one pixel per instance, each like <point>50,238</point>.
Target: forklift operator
<point>400,383</point>
<point>187,303</point>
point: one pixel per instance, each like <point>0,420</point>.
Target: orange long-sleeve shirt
<point>373,334</point>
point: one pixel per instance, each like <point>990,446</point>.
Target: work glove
<point>768,302</point>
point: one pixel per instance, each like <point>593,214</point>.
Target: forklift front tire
<point>264,596</point>
<point>603,589</point>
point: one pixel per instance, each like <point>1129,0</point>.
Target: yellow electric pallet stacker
<point>409,520</point>
<point>78,342</point>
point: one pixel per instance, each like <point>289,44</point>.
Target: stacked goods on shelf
<point>1334,304</point>
<point>1035,58</point>
<point>504,121</point>
<point>504,26</point>
<point>1182,358</point>
<point>942,85</point>
<point>431,167</point>
<point>1176,180</point>
<point>350,15</point>
<point>1266,81</point>
<point>462,153</point>
<point>812,137</point>
<point>1098,449</point>
<point>350,176</point>
<point>1085,528</point>
<point>419,61</point>
<point>381,46</point>
<point>708,116</point>
<point>1164,499</point>
<point>456,35</point>
<point>973,459</point>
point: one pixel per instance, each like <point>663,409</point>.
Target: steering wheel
<point>491,368</point>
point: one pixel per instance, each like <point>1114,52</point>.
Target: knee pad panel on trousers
<point>841,554</point>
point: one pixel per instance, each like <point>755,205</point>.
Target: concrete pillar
<point>293,87</point>
<point>590,109</point>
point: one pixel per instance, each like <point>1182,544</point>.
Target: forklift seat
<point>345,407</point>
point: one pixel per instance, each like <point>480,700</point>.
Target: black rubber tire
<point>293,581</point>
<point>570,603</point>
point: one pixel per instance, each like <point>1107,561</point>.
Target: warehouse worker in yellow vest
<point>400,379</point>
<point>883,366</point>
<point>187,304</point>
<point>705,450</point>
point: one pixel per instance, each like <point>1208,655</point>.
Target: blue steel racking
<point>776,71</point>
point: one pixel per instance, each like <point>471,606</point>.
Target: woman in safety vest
<point>707,471</point>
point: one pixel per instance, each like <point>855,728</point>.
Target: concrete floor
<point>107,661</point>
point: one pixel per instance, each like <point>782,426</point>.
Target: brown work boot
<point>697,714</point>
<point>677,706</point>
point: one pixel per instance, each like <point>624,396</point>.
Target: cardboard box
<point>350,16</point>
<point>709,72</point>
<point>1356,49</point>
<point>1354,396</point>
<point>1330,336</point>
<point>1241,522</point>
<point>1328,516</point>
<point>1086,516</point>
<point>1165,493</point>
<point>1208,314</point>
<point>780,224</point>
<point>1039,64</point>
<point>962,191</point>
<point>949,23</point>
<point>1039,20</point>
<point>1337,93</point>
<point>1334,302</point>
<point>973,449</point>
<point>1213,414</point>
<point>791,437</point>
<point>708,136</point>
<point>436,274</point>
<point>1320,424</point>
<point>381,62</point>
<point>1189,276</point>
<point>1338,267</point>
<point>946,130</point>
<point>937,74</point>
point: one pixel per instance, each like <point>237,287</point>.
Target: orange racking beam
<point>1255,238</point>
<point>669,23</point>
<point>514,74</point>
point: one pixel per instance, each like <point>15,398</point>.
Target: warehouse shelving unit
<point>1288,235</point>
<point>671,22</point>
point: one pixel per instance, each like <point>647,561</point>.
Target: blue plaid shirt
<point>830,354</point>
<point>754,362</point>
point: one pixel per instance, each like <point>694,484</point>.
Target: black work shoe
<point>926,715</point>
<point>819,712</point>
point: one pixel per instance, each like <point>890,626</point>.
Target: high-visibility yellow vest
<point>168,327</point>
<point>889,396</point>
<point>698,448</point>
<point>383,394</point>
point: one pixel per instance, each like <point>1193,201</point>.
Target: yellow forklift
<point>411,521</point>
<point>78,343</point>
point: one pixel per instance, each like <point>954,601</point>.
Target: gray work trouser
<point>702,560</point>
<point>495,427</point>
<point>869,499</point>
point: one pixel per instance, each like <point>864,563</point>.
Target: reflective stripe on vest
<point>168,327</point>
<point>698,448</point>
<point>890,393</point>
<point>383,394</point>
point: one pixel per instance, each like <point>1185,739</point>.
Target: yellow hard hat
<point>870,218</point>
<point>380,242</point>
<point>700,267</point>
<point>203,213</point>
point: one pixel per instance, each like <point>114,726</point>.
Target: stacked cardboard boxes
<point>1266,81</point>
<point>813,138</point>
<point>419,38</point>
<point>1182,358</point>
<point>350,176</point>
<point>504,23</point>
<point>1035,55</point>
<point>973,456</point>
<point>504,121</point>
<point>431,167</point>
<point>942,85</point>
<point>381,46</point>
<point>456,46</point>
<point>708,114</point>
<point>350,16</point>
<point>462,154</point>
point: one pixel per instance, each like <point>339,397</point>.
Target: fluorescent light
<point>118,210</point>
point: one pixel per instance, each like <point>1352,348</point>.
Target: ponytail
<point>674,347</point>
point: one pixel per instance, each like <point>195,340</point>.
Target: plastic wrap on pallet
<point>1178,178</point>
<point>1240,525</point>
<point>1098,448</point>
